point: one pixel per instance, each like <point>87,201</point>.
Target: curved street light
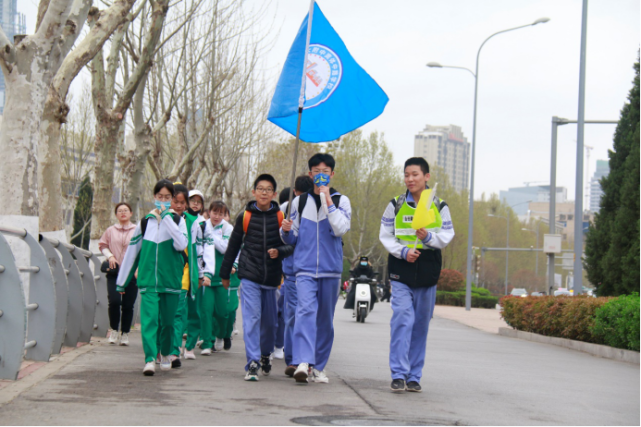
<point>470,225</point>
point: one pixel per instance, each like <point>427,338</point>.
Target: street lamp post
<point>507,243</point>
<point>470,226</point>
<point>536,266</point>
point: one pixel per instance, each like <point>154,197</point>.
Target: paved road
<point>471,377</point>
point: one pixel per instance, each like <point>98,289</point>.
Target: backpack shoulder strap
<point>302,201</point>
<point>203,226</point>
<point>398,202</point>
<point>247,215</point>
<point>176,218</point>
<point>143,225</point>
<point>441,205</point>
<point>280,216</point>
<point>336,198</point>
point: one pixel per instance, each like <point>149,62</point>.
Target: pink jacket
<point>116,240</point>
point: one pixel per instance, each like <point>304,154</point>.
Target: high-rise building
<point>12,23</point>
<point>446,147</point>
<point>602,170</point>
<point>519,196</point>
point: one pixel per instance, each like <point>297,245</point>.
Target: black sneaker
<point>414,386</point>
<point>176,363</point>
<point>265,365</point>
<point>227,345</point>
<point>252,372</point>
<point>398,386</point>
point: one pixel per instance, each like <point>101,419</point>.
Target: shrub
<point>451,281</point>
<point>617,323</point>
<point>481,298</point>
<point>564,317</point>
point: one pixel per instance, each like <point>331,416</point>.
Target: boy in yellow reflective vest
<point>414,268</point>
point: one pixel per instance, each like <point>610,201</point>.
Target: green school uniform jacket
<point>157,255</point>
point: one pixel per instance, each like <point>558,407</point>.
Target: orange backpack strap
<point>281,217</point>
<point>247,215</point>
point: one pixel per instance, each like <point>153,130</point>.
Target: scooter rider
<point>363,269</point>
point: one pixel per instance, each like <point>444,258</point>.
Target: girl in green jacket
<point>156,252</point>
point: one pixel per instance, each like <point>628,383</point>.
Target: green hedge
<point>617,323</point>
<point>609,321</point>
<point>481,298</point>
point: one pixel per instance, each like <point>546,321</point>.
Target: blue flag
<point>336,94</point>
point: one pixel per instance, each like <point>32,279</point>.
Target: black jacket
<point>262,234</point>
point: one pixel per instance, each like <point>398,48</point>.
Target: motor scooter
<point>363,296</point>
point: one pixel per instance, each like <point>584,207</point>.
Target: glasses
<point>122,211</point>
<point>196,202</point>
<point>264,190</point>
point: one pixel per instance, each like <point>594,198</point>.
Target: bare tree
<point>35,67</point>
<point>112,101</point>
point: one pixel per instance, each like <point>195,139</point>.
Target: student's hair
<point>265,177</point>
<point>319,158</point>
<point>284,195</point>
<point>218,206</point>
<point>181,189</point>
<point>304,183</point>
<point>122,204</point>
<point>418,161</point>
<point>164,183</point>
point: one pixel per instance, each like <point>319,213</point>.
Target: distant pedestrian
<point>113,245</point>
<point>414,270</point>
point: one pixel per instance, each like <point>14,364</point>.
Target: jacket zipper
<point>157,238</point>
<point>317,241</point>
<point>264,248</point>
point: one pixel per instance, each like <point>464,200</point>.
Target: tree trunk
<point>107,133</point>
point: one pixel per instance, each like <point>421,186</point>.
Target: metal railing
<point>67,300</point>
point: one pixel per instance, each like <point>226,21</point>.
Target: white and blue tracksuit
<point>260,316</point>
<point>412,306</point>
<point>318,264</point>
<point>290,301</point>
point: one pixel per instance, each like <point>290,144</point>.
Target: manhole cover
<point>346,420</point>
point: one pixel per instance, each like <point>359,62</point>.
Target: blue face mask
<point>160,204</point>
<point>364,264</point>
<point>321,179</point>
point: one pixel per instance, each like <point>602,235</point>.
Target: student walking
<point>317,222</point>
<point>260,271</point>
<point>214,298</point>
<point>156,252</point>
<point>303,184</point>
<point>192,273</point>
<point>413,271</point>
<point>113,245</point>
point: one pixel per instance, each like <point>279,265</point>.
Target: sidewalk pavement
<point>471,377</point>
<point>485,319</point>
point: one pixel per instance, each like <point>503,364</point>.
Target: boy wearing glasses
<point>260,271</point>
<point>318,219</point>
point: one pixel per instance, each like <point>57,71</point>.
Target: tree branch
<point>52,22</point>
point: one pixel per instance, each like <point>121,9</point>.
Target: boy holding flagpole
<point>414,234</point>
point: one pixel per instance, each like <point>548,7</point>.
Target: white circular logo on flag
<point>323,74</point>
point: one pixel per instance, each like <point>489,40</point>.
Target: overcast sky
<point>526,76</point>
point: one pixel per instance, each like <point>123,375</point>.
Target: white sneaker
<point>219,344</point>
<point>199,343</point>
<point>302,373</point>
<point>149,369</point>
<point>235,332</point>
<point>113,337</point>
<point>279,353</point>
<point>319,376</point>
<point>165,363</point>
<point>205,352</point>
<point>124,339</point>
<point>189,354</point>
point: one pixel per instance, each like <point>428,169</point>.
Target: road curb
<point>604,351</point>
<point>13,390</point>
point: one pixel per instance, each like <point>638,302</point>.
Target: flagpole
<point>301,103</point>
